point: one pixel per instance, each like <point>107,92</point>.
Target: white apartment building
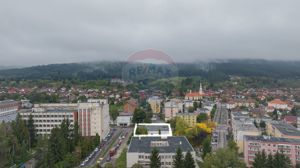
<point>48,116</point>
<point>93,117</point>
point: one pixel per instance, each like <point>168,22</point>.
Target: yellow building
<point>189,118</point>
<point>155,104</point>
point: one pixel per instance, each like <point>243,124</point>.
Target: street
<point>219,139</point>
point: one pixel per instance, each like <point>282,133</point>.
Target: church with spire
<point>195,95</point>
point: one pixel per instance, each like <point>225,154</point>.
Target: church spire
<point>200,89</point>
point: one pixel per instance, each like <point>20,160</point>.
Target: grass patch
<point>121,161</point>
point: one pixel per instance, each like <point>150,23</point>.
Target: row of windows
<point>48,125</point>
<point>48,116</point>
<point>161,156</point>
<point>47,121</point>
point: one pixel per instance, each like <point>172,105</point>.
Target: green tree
<point>139,116</point>
<point>262,124</point>
<point>55,153</point>
<point>281,160</point>
<point>97,140</point>
<point>31,130</point>
<point>191,109</point>
<point>155,159</point>
<point>206,146</point>
<point>269,161</point>
<point>255,123</point>
<point>178,160</point>
<point>114,114</point>
<point>233,146</point>
<point>195,105</point>
<point>76,134</point>
<point>202,117</point>
<point>108,165</point>
<point>213,111</point>
<point>260,160</point>
<point>20,130</point>
<point>189,161</point>
<point>223,158</point>
<point>275,114</point>
<point>141,130</point>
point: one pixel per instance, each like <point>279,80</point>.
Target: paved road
<point>126,132</point>
<point>115,132</point>
<point>219,139</point>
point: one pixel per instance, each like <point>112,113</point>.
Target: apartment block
<point>271,145</point>
<point>139,150</point>
<point>92,116</point>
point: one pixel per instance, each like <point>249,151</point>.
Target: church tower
<point>200,89</point>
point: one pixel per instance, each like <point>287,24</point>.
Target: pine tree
<point>65,140</point>
<point>31,130</point>
<point>270,161</point>
<point>260,160</point>
<point>189,161</point>
<point>76,135</point>
<point>20,130</point>
<point>282,161</point>
<point>155,159</point>
<point>178,160</point>
<point>206,146</point>
<point>97,140</point>
<point>55,153</point>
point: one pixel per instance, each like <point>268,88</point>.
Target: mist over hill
<point>104,70</point>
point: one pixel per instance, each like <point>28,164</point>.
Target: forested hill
<point>105,70</point>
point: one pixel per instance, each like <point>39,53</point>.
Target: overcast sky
<point>56,31</point>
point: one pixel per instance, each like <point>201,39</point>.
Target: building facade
<point>48,116</point>
<point>171,109</point>
<point>140,148</point>
<point>189,118</point>
<point>124,119</point>
<point>92,117</point>
<point>271,145</point>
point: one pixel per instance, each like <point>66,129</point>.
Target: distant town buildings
<point>195,95</point>
<point>279,105</point>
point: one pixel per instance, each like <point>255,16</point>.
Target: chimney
<point>180,143</point>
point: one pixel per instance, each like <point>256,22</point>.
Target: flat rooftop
<point>144,144</point>
<point>286,128</point>
<point>271,139</point>
<point>156,127</point>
